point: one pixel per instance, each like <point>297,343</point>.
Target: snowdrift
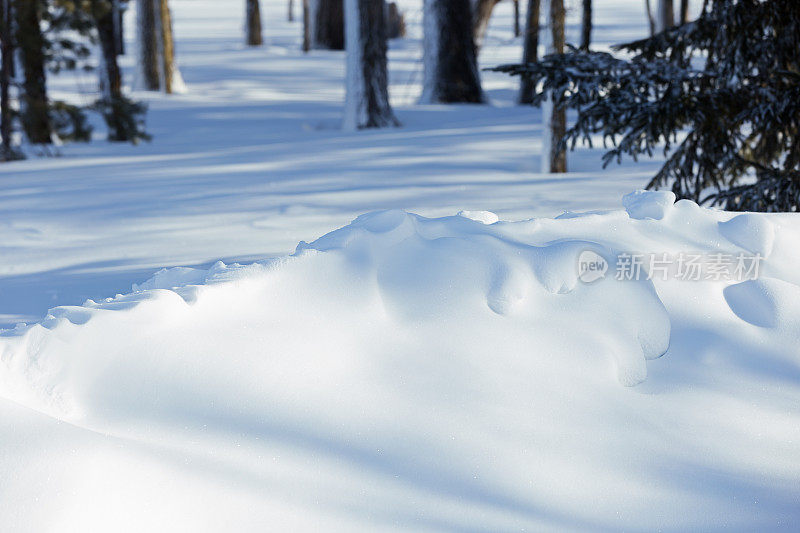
<point>458,373</point>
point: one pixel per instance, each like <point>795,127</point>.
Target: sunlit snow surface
<point>441,371</point>
<point>421,373</point>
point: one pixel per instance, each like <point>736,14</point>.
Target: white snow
<point>449,373</point>
<point>752,232</point>
<point>648,204</point>
<point>457,360</point>
<point>486,217</point>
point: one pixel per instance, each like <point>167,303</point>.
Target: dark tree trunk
<point>148,45</point>
<point>530,49</point>
<point>480,21</point>
<point>586,25</point>
<point>451,69</point>
<point>666,15</point>
<point>35,113</point>
<point>119,34</point>
<point>684,11</point>
<point>7,50</point>
<point>516,18</point>
<point>112,81</point>
<point>650,20</point>
<point>395,22</point>
<point>329,24</point>
<point>253,25</point>
<point>558,121</point>
<point>290,14</point>
<point>306,26</point>
<point>167,47</point>
<point>367,103</point>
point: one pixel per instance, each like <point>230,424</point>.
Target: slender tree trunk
<point>253,10</point>
<point>367,100</point>
<point>666,15</point>
<point>35,115</point>
<point>684,11</point>
<point>451,68</point>
<point>480,21</point>
<point>306,26</point>
<point>148,45</point>
<point>554,160</point>
<point>7,50</point>
<point>168,69</point>
<point>530,50</point>
<point>586,25</point>
<point>516,18</point>
<point>119,34</point>
<point>329,25</point>
<point>650,20</point>
<point>103,17</point>
<point>290,14</point>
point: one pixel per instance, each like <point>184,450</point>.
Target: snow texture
<point>752,232</point>
<point>404,373</point>
<point>436,360</point>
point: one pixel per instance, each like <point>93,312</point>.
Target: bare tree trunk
<point>119,34</point>
<point>306,26</point>
<point>480,22</point>
<point>367,100</point>
<point>35,112</point>
<point>167,47</point>
<point>104,16</point>
<point>666,15</point>
<point>530,50</point>
<point>290,15</point>
<point>395,22</point>
<point>451,68</point>
<point>684,11</point>
<point>586,25</point>
<point>650,20</point>
<point>516,18</point>
<point>148,45</point>
<point>329,25</point>
<point>554,160</point>
<point>253,23</point>
<point>7,50</point>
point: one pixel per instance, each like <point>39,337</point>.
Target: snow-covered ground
<point>252,160</point>
<point>422,372</point>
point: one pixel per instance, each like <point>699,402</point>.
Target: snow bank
<point>468,370</point>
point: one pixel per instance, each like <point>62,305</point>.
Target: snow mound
<point>765,302</point>
<point>486,217</point>
<point>648,204</point>
<point>750,231</point>
<point>451,359</point>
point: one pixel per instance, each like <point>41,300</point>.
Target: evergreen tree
<point>722,93</point>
